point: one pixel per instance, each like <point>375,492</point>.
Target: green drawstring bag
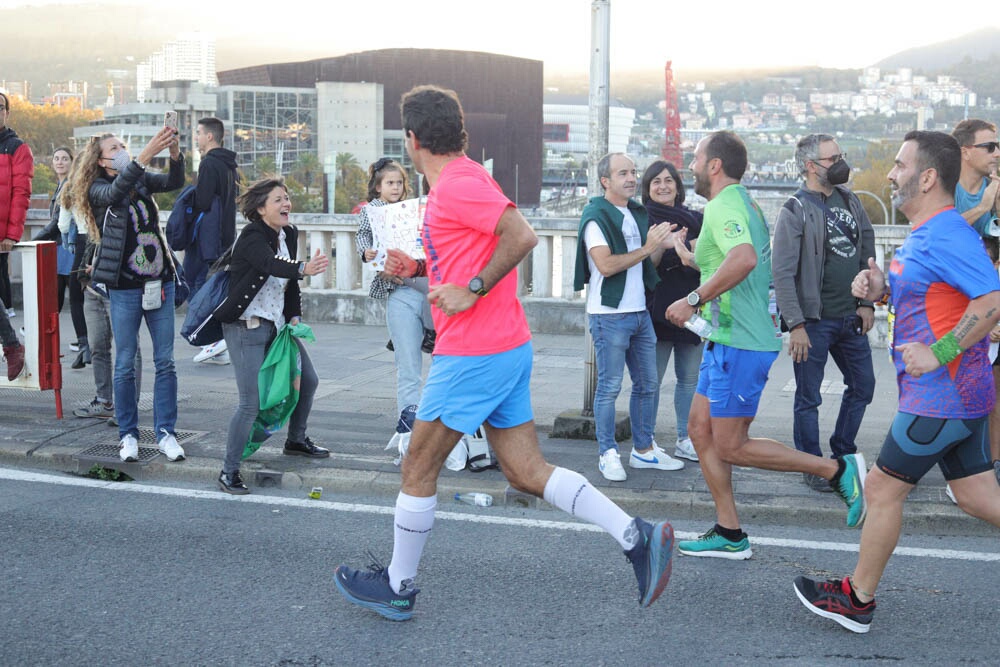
<point>278,384</point>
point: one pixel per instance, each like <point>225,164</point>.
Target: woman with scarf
<point>663,197</point>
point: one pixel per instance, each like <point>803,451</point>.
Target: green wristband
<point>946,349</point>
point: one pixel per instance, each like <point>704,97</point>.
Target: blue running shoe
<point>851,488</point>
<point>371,590</point>
<point>713,545</point>
<point>651,559</point>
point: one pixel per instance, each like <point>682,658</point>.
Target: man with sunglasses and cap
<point>822,238</point>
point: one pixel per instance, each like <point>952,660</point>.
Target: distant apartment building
<point>137,122</point>
<point>190,57</point>
<point>566,126</point>
<point>62,92</point>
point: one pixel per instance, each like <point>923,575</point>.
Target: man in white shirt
<point>617,255</point>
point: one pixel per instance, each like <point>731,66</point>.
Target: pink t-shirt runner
<point>463,209</point>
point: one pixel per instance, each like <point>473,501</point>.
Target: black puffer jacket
<point>254,259</point>
<point>109,200</point>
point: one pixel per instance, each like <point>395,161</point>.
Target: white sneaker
<point>128,448</point>
<point>655,458</point>
<point>168,445</point>
<point>948,492</point>
<point>221,359</point>
<point>685,450</point>
<point>209,351</point>
<point>611,466</point>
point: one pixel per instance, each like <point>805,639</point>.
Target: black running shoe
<point>370,589</point>
<point>832,599</point>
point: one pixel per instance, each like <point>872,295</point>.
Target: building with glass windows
<point>268,127</point>
<point>357,106</point>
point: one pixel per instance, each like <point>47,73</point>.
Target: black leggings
<point>5,294</point>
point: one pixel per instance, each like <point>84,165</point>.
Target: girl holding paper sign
<point>408,314</point>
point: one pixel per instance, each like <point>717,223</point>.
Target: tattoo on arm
<point>965,326</point>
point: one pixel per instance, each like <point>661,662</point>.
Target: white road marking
<point>135,487</point>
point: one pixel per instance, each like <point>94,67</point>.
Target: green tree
<point>874,167</point>
<point>46,127</point>
<point>308,171</point>
<point>351,189</point>
<point>345,161</point>
<point>263,167</point>
<point>44,181</point>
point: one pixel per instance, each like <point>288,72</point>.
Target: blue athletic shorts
<point>733,379</point>
<point>960,447</point>
<point>464,392</point>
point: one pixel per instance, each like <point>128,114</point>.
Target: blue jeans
<point>687,360</point>
<point>404,317</point>
<point>853,356</point>
<point>126,317</point>
<point>624,339</point>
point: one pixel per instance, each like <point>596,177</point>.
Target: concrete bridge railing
<point>546,276</point>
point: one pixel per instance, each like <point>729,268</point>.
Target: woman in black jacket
<point>67,260</point>
<point>263,295</point>
<point>133,261</point>
<point>663,197</point>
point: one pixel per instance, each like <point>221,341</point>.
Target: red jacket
<point>17,168</point>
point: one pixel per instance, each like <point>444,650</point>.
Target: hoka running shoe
<point>713,545</point>
<point>851,488</point>
<point>371,590</point>
<point>832,599</point>
<point>650,559</point>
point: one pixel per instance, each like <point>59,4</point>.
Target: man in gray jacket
<point>822,239</point>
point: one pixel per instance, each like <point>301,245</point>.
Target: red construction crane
<point>672,136</point>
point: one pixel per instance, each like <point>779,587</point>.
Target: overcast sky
<point>645,33</point>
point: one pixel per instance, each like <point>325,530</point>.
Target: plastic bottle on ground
<point>476,499</point>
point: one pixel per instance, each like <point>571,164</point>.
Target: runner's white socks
<point>414,520</point>
<point>572,493</point>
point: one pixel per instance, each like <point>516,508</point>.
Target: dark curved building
<point>501,96</point>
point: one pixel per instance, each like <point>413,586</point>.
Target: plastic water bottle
<point>476,499</point>
<point>699,325</point>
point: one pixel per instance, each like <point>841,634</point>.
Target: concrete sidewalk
<point>354,415</point>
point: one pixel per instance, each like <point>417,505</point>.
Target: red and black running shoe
<point>832,599</point>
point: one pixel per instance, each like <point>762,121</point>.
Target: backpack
<point>179,224</point>
<point>200,326</point>
<point>183,226</point>
<point>481,456</point>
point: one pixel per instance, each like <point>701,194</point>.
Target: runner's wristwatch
<point>694,299</point>
<point>476,286</point>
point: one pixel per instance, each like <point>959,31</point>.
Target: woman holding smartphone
<point>264,295</point>
<point>114,192</point>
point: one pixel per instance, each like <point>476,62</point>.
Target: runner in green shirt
<point>734,253</point>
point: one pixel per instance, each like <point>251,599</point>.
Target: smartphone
<point>170,120</point>
<point>858,325</point>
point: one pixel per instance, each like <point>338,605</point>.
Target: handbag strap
<point>830,215</point>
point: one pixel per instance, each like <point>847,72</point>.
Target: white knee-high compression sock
<point>571,492</point>
<point>413,522</point>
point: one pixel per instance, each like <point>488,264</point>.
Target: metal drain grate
<point>105,454</point>
<point>100,453</point>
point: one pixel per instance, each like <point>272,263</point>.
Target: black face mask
<point>838,173</point>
